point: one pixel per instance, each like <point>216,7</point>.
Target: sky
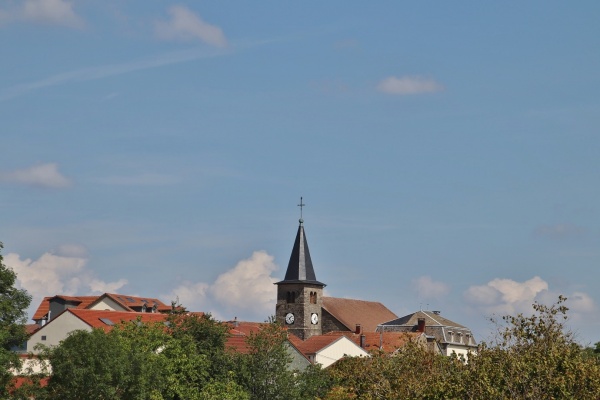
<point>447,153</point>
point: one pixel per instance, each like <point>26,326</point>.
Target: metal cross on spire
<point>301,205</point>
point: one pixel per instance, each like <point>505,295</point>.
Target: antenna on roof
<point>301,205</point>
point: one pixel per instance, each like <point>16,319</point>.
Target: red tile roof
<point>94,318</point>
<point>388,342</point>
<point>351,312</point>
<point>238,333</point>
<point>31,328</point>
<point>44,306</point>
<point>130,302</point>
<point>126,301</point>
<point>316,343</point>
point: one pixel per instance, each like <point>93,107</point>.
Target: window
<point>291,297</point>
<point>107,321</point>
<point>313,297</point>
<point>43,337</point>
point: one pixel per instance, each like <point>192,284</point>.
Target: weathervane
<point>301,205</point>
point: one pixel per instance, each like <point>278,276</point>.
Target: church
<point>305,312</point>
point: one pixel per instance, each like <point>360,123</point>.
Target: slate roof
<point>431,319</point>
<point>300,267</point>
<point>351,312</point>
<point>442,329</point>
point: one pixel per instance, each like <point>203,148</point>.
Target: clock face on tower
<point>289,318</point>
<point>314,318</point>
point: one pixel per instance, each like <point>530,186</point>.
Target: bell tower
<point>299,294</point>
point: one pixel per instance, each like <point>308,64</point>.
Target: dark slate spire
<point>300,268</point>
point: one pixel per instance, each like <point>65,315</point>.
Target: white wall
<point>56,330</point>
<point>337,350</point>
<point>108,304</point>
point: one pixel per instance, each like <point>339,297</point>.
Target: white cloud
<point>509,297</point>
<point>185,25</point>
<point>249,279</point>
<point>407,85</point>
<point>43,175</point>
<point>505,296</point>
<point>247,289</point>
<point>56,12</point>
<point>427,288</point>
<point>53,274</point>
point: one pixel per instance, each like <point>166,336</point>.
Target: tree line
<point>531,357</point>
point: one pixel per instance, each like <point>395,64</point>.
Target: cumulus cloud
<point>509,297</point>
<point>61,272</point>
<point>53,12</point>
<point>407,85</point>
<point>42,175</point>
<point>185,25</point>
<point>559,231</point>
<point>427,288</point>
<point>246,289</point>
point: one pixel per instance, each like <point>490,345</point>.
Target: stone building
<point>305,312</point>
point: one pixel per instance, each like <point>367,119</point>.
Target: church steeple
<point>299,294</point>
<point>300,268</point>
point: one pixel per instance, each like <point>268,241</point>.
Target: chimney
<point>235,322</point>
<point>421,325</point>
<point>362,341</point>
<point>437,312</point>
<point>358,330</point>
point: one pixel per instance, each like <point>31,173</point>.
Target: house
<point>305,312</point>
<point>327,349</point>
<point>240,331</point>
<point>451,337</point>
<point>51,307</point>
<point>386,342</point>
<point>72,319</point>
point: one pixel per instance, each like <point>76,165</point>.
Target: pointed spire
<point>300,268</point>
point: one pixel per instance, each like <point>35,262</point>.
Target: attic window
<point>130,299</point>
<point>107,321</point>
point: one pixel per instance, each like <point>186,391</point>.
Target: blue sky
<point>447,152</point>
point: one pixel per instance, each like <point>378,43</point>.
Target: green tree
<point>132,361</point>
<point>314,382</point>
<point>264,372</point>
<point>13,317</point>
<point>209,337</point>
<point>534,357</point>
